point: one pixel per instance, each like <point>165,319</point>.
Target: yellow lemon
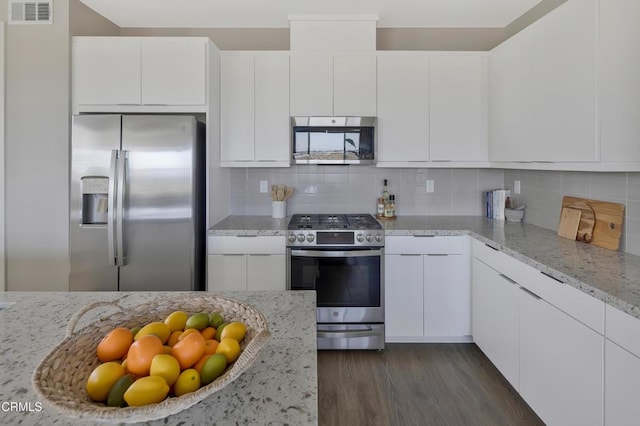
<point>235,330</point>
<point>146,390</point>
<point>165,366</point>
<point>188,381</point>
<point>157,328</point>
<point>176,320</point>
<point>102,378</point>
<point>230,348</point>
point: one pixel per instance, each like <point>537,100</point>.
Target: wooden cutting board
<point>607,228</point>
<point>569,222</point>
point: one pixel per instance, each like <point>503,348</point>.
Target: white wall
<point>2,108</point>
<point>37,153</point>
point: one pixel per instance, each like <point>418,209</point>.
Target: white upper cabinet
<point>619,89</point>
<point>564,83</point>
<point>510,100</point>
<point>403,108</point>
<point>254,109</point>
<point>327,85</point>
<point>458,107</point>
<point>354,85</point>
<point>139,71</point>
<point>173,71</point>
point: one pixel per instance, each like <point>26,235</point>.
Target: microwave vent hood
<point>333,140</point>
<point>333,121</point>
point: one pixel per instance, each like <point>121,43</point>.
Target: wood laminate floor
<point>416,384</point>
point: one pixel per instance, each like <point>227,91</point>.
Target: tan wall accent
<point>439,38</point>
<point>84,21</point>
<point>225,38</point>
<point>528,18</point>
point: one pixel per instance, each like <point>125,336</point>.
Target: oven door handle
<point>341,334</point>
<point>346,253</point>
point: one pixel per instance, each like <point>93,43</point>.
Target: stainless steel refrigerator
<point>137,213</point>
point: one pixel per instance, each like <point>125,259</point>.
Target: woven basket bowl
<point>61,376</point>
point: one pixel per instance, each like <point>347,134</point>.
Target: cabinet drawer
<point>581,306</point>
<point>424,245</point>
<point>250,244</point>
<point>503,263</point>
<point>623,329</point>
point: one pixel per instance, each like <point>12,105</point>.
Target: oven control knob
<point>369,238</point>
<point>360,238</point>
<point>310,238</point>
<point>300,238</point>
<point>379,237</point>
<point>292,238</point>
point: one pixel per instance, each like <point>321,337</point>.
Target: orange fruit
<point>114,345</point>
<point>189,350</point>
<point>173,338</point>
<point>167,349</point>
<point>230,348</point>
<point>141,354</point>
<point>187,332</point>
<point>210,346</point>
<point>200,363</point>
<point>208,333</point>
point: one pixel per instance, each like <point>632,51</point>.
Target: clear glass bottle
<point>388,207</point>
<point>392,200</point>
<point>380,207</point>
<point>385,192</point>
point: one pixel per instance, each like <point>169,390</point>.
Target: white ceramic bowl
<point>514,215</point>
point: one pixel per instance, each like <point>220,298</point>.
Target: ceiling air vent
<point>30,12</point>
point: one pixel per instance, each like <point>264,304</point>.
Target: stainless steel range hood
<point>333,140</point>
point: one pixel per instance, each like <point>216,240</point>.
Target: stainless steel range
<point>341,258</point>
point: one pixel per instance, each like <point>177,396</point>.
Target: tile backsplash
<point>351,189</point>
<point>542,192</point>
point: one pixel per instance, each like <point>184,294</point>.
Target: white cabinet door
<point>311,85</point>
<point>226,272</point>
<point>510,99</point>
<point>619,67</point>
<point>457,108</point>
<point>564,84</point>
<point>106,70</point>
<point>266,272</point>
<point>447,296</point>
<point>354,85</point>
<point>494,321</point>
<point>403,299</point>
<point>561,365</point>
<point>621,391</point>
<point>403,107</point>
<point>174,71</point>
<point>237,107</point>
<point>272,120</point>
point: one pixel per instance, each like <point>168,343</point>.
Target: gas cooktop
<point>338,230</point>
<point>333,222</point>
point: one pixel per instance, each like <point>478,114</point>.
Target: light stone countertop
<point>608,275</point>
<point>279,388</point>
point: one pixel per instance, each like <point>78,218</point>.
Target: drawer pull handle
<point>423,236</point>
<point>246,236</point>
<point>553,278</point>
<point>491,247</point>
<point>530,293</point>
<point>437,254</point>
<point>410,254</point>
<point>508,279</point>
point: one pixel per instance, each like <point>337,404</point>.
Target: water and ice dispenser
<point>95,196</point>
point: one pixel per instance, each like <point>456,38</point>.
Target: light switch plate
<point>516,186</point>
<point>430,186</point>
<point>264,186</point>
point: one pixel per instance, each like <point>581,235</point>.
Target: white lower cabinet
<point>238,263</point>
<point>621,390</point>
<point>494,320</point>
<point>427,296</point>
<point>561,365</point>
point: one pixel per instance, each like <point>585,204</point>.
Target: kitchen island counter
<point>279,388</point>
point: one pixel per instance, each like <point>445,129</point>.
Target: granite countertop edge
<point>540,252</point>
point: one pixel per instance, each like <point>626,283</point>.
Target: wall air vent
<point>30,12</point>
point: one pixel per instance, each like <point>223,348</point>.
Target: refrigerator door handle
<point>122,165</point>
<point>111,224</point>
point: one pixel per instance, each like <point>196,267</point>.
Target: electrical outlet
<point>264,186</point>
<point>516,186</point>
<point>430,186</point>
